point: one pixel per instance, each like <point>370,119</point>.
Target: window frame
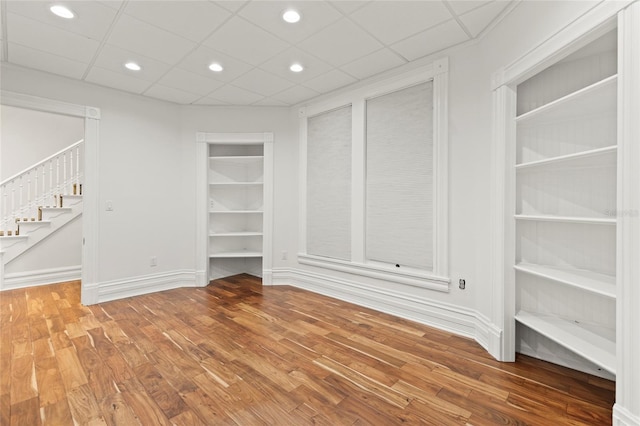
<point>436,279</point>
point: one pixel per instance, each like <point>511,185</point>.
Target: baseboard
<point>623,417</point>
<point>136,286</point>
<point>455,319</point>
<point>41,277</point>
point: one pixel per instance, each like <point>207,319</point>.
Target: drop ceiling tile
<point>330,81</point>
<point>268,15</point>
<point>92,19</point>
<point>114,4</point>
<point>235,95</point>
<point>193,20</point>
<point>199,60</point>
<point>478,19</point>
<point>393,21</point>
<point>270,102</point>
<point>232,5</point>
<point>279,65</point>
<point>262,82</point>
<point>210,101</point>
<point>189,82</point>
<point>295,94</point>
<point>463,6</point>
<point>373,64</point>
<point>241,39</point>
<point>113,58</point>
<point>431,41</point>
<point>340,43</point>
<point>170,94</point>
<point>349,6</point>
<point>150,41</point>
<point>36,35</point>
<point>44,61</point>
<point>115,80</point>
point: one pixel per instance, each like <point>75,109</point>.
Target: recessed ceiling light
<point>132,66</point>
<point>215,67</point>
<point>62,11</point>
<point>291,16</point>
<point>296,68</point>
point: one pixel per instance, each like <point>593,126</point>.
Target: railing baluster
<point>50,179</point>
<point>64,173</point>
<point>39,186</point>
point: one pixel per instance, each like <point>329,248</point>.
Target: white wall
<point>139,171</point>
<point>28,136</point>
<point>245,120</point>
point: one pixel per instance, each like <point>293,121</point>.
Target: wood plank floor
<point>235,353</point>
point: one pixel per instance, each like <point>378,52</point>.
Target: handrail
<point>51,157</point>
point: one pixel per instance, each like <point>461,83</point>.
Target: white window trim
<point>437,279</point>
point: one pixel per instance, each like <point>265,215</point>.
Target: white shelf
<point>247,158</point>
<point>576,337</point>
<point>236,183</point>
<point>599,98</point>
<point>235,211</point>
<point>604,285</point>
<point>566,219</point>
<point>236,234</point>
<point>594,154</point>
<point>227,255</point>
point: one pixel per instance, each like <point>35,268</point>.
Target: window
<point>329,184</point>
<point>374,180</point>
<point>399,177</point>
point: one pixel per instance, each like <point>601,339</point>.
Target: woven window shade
<point>399,180</point>
<point>329,184</point>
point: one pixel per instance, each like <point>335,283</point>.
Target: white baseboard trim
<point>41,277</point>
<point>136,286</point>
<point>455,319</point>
<point>624,417</point>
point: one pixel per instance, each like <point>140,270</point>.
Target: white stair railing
<point>41,185</point>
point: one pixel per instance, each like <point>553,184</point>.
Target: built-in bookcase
<point>565,212</point>
<point>235,187</point>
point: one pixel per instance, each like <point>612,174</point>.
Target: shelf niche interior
<point>565,195</point>
<point>235,179</point>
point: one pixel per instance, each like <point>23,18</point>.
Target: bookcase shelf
<point>597,347</point>
<point>593,100</point>
<point>565,213</point>
<point>594,282</point>
<point>236,209</point>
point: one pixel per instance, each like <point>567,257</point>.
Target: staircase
<point>40,200</point>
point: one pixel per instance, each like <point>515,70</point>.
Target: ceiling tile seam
<point>389,46</point>
<point>457,19</point>
<point>512,4</point>
<point>106,36</point>
<point>232,85</point>
<point>340,68</point>
<point>5,38</point>
<point>47,52</point>
<point>196,47</point>
<point>293,87</point>
<point>290,45</point>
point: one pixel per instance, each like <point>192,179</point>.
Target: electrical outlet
<point>462,284</point>
<point>284,255</point>
<point>153,261</point>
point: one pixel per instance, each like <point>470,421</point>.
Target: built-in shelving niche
<point>235,209</point>
<point>566,169</point>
